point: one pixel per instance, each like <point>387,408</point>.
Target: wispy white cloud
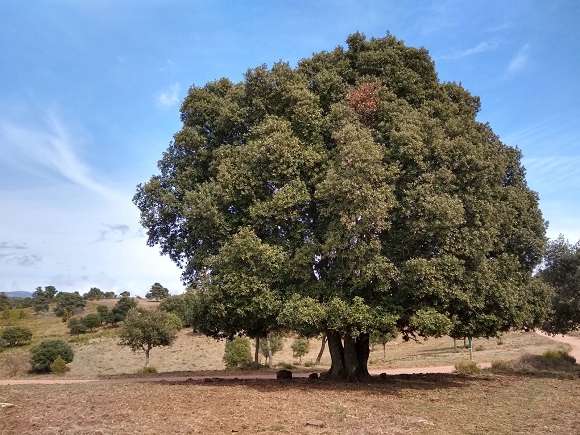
<point>47,148</point>
<point>519,61</point>
<point>20,259</point>
<point>170,96</point>
<point>115,232</point>
<point>482,47</point>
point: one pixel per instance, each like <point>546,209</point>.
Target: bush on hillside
<point>17,335</point>
<point>47,351</point>
<point>237,353</point>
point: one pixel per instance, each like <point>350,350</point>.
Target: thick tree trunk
<point>319,357</point>
<point>336,355</point>
<point>257,352</point>
<point>349,357</point>
<point>362,353</point>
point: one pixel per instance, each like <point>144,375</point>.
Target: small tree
<point>125,294</point>
<point>76,326</point>
<point>4,301</point>
<point>271,345</point>
<point>123,306</point>
<point>237,352</point>
<point>103,311</point>
<point>40,300</point>
<point>47,351</point>
<point>59,366</point>
<point>68,302</point>
<point>17,335</point>
<point>110,295</point>
<point>145,329</point>
<point>92,321</point>
<point>157,292</point>
<point>66,315</point>
<point>300,347</point>
<point>94,294</point>
<point>382,338</point>
<point>183,306</point>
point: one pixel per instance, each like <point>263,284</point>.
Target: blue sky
<point>90,93</point>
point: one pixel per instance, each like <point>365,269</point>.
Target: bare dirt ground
<point>419,404</point>
<point>188,397</point>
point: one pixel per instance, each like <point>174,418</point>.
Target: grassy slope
<point>98,353</point>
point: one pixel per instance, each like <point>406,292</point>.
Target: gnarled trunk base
<point>349,357</point>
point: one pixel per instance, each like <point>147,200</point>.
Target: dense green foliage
<point>300,347</point>
<point>561,271</point>
<point>120,310</point>
<point>47,351</point>
<point>92,321</point>
<point>94,294</point>
<point>237,352</point>
<point>41,298</point>
<point>103,311</point>
<point>183,306</point>
<point>76,326</point>
<point>271,345</point>
<point>5,301</point>
<point>352,194</point>
<point>17,335</point>
<point>59,366</point>
<point>145,329</point>
<point>72,302</point>
<point>157,292</point>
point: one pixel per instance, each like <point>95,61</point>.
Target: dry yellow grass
<point>428,404</point>
<point>99,354</point>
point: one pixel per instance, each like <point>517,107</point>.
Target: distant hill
<point>18,294</point>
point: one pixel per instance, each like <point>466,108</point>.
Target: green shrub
<point>300,347</point>
<point>76,326</point>
<point>271,345</point>
<point>559,355</point>
<point>149,369</point>
<point>92,321</point>
<point>59,366</point>
<point>467,368</point>
<point>17,335</point>
<point>251,365</point>
<point>309,363</point>
<point>237,352</point>
<point>285,365</point>
<point>47,351</point>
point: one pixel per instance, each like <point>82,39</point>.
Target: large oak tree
<point>353,193</point>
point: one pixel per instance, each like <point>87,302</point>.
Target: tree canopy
<point>355,193</point>
<point>561,271</point>
<point>157,292</point>
<point>145,329</point>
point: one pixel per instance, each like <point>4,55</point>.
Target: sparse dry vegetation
<point>428,404</point>
<point>527,369</point>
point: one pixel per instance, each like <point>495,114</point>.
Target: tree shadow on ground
<point>392,384</point>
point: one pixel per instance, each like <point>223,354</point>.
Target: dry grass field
<point>540,403</point>
<point>98,354</point>
<point>418,404</point>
